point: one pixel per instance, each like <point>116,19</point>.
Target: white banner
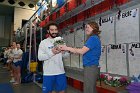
<point>127,26</point>
<point>134,59</point>
<point>116,59</point>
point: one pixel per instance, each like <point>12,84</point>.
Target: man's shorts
<point>54,83</point>
<point>17,63</point>
<point>5,60</point>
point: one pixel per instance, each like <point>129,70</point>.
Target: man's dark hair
<point>51,24</point>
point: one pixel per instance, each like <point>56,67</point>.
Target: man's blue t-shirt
<point>93,55</point>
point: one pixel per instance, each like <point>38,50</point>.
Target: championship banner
<point>54,16</point>
<point>80,16</point>
<point>71,5</point>
<point>62,10</point>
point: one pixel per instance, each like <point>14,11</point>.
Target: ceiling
<point>16,4</point>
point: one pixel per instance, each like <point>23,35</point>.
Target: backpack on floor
<point>39,78</point>
<point>28,78</point>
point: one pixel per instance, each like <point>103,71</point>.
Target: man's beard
<point>53,35</point>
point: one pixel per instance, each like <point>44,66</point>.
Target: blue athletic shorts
<point>54,83</point>
<point>17,63</point>
<point>5,60</point>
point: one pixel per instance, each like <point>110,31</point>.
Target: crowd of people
<point>12,58</point>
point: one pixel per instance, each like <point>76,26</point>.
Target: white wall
<point>19,14</point>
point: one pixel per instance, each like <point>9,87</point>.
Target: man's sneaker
<point>12,80</point>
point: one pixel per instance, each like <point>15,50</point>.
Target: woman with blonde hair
<point>91,52</point>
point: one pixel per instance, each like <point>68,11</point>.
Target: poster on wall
<point>64,36</point>
<point>75,59</point>
<point>116,59</point>
<point>106,26</point>
<point>70,39</point>
<point>66,61</point>
<point>134,59</point>
<point>103,60</point>
<point>79,36</point>
<point>130,31</point>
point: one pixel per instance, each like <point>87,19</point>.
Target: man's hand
<point>56,50</point>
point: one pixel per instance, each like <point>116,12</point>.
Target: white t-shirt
<point>10,55</point>
<point>16,54</point>
<point>6,54</point>
<point>53,64</point>
<point>9,52</point>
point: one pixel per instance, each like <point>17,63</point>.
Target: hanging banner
<point>54,16</point>
<point>101,7</point>
<point>84,1</point>
<point>134,59</point>
<point>103,60</point>
<point>70,21</point>
<point>120,2</point>
<point>98,8</point>
<point>60,3</point>
<point>75,60</point>
<point>58,14</point>
<point>71,5</point>
<point>42,23</point>
<point>62,10</point>
<point>80,16</point>
<point>47,20</point>
<point>79,36</point>
<point>60,25</point>
<point>106,5</point>
<point>130,31</point>
<point>78,2</point>
<point>92,11</point>
<point>87,13</point>
<point>116,59</point>
<point>75,19</point>
<point>50,17</point>
<point>106,25</point>
<point>63,24</point>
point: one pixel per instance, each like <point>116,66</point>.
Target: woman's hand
<point>74,50</point>
<point>63,47</point>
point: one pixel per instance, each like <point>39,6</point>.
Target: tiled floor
<point>28,87</point>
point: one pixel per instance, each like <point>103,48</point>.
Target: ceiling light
<point>21,3</point>
<point>31,5</point>
<point>11,2</point>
